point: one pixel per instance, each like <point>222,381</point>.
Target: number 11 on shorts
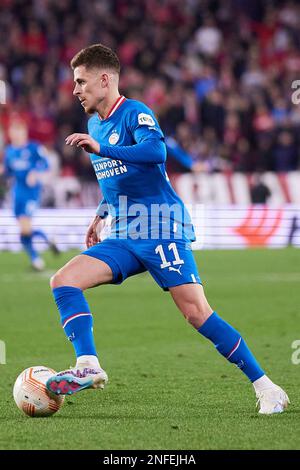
<point>165,264</point>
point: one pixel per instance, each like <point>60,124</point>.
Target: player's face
<point>90,87</point>
<point>18,134</point>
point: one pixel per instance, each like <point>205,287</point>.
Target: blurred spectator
<point>259,190</point>
<point>285,152</point>
<point>213,112</point>
<point>208,37</point>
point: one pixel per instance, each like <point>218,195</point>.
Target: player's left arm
<point>152,150</point>
<point>177,152</point>
<point>149,144</point>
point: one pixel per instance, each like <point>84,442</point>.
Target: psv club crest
<point>113,138</point>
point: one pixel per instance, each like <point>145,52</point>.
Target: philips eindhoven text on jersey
<point>136,190</point>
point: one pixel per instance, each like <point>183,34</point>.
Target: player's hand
<point>32,178</point>
<point>93,232</point>
<point>84,141</point>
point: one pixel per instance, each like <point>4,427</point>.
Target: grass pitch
<point>169,388</point>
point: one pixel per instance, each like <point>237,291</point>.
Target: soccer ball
<point>31,395</point>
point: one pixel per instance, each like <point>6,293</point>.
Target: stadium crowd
<point>218,75</point>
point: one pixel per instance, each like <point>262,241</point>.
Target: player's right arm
<point>93,235</point>
<point>93,232</point>
<point>5,169</point>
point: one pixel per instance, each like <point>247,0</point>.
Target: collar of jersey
<point>114,108</point>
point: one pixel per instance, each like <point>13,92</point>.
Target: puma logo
<point>176,269</point>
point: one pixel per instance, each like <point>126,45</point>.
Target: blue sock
<point>76,319</point>
<point>26,241</point>
<point>231,345</point>
<point>39,233</point>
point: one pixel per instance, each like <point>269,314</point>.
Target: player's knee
<point>66,277</point>
<point>58,280</point>
<point>54,281</point>
<point>25,232</point>
<point>196,315</point>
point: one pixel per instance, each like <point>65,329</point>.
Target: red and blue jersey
<point>19,162</point>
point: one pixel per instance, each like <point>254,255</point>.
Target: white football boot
<point>272,400</point>
<point>76,379</point>
<point>38,264</point>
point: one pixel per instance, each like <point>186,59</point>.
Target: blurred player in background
<point>128,153</point>
<point>26,164</point>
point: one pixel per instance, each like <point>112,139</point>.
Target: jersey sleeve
<point>41,161</point>
<point>143,124</point>
<point>148,151</point>
<point>177,152</point>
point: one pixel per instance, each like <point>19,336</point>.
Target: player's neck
<point>106,105</point>
<point>19,145</point>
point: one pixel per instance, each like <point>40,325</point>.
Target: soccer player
<point>150,231</point>
<point>25,162</point>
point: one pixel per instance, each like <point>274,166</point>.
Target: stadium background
<point>219,76</point>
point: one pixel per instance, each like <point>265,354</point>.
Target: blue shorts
<point>25,207</point>
<point>171,263</point>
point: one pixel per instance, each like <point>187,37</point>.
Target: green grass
<point>168,388</point>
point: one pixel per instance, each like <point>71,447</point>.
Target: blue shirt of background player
<point>135,176</point>
<point>18,163</point>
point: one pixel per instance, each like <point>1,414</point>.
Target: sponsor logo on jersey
<point>145,120</point>
<point>107,168</point>
<point>113,139</point>
<point>25,154</point>
<point>20,165</point>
